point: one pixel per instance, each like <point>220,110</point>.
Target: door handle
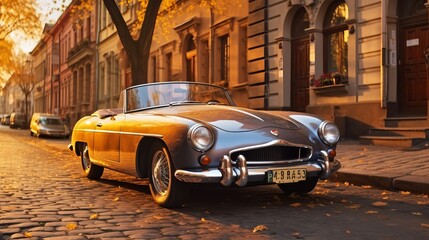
<point>99,124</point>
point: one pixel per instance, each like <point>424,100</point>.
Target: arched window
<point>336,36</point>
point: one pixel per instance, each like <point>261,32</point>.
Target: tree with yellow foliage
<point>16,16</point>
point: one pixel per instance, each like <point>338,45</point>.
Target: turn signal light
<point>204,160</point>
<point>332,153</point>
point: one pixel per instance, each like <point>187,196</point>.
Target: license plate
<point>286,175</point>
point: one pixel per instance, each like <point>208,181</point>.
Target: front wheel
<point>166,190</point>
<point>299,187</point>
<point>90,170</point>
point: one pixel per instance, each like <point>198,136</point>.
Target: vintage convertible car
<point>176,133</point>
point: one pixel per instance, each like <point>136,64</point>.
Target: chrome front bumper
<point>227,173</point>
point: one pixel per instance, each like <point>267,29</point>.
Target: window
<point>224,57</point>
<point>242,76</point>
<point>154,69</point>
<point>168,66</point>
<point>101,82</point>
<point>336,36</point>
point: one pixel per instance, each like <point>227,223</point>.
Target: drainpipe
<point>384,56</point>
<point>97,41</point>
<point>211,47</point>
<point>266,60</point>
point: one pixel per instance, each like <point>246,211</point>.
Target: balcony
<point>81,51</point>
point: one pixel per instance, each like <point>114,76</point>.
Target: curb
<point>390,181</point>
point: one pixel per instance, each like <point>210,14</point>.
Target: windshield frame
<point>192,93</point>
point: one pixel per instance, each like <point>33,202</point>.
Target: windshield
<point>174,93</point>
<point>50,121</point>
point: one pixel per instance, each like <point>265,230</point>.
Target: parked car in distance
<point>177,134</point>
<point>5,120</point>
<point>17,120</point>
<point>48,125</point>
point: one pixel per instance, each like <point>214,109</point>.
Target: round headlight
<point>200,137</point>
<point>329,133</point>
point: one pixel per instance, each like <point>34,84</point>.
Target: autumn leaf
<point>259,228</point>
<point>71,226</point>
<point>28,235</point>
<point>346,184</point>
<point>405,192</point>
<point>295,204</point>
<point>371,212</point>
<point>354,206</point>
<point>297,235</point>
<point>116,199</point>
<point>380,204</point>
<point>203,220</point>
<point>93,216</point>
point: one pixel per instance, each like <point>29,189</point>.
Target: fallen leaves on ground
<point>380,204</point>
<point>295,204</point>
<point>371,212</point>
<point>28,235</point>
<point>71,226</point>
<point>297,235</point>
<point>93,216</point>
<point>259,228</point>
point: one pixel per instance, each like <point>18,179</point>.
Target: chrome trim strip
<point>118,132</point>
<point>215,175</point>
<point>279,142</point>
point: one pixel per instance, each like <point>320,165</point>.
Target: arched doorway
<point>413,35</point>
<point>300,61</point>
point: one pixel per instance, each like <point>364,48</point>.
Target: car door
<point>107,138</point>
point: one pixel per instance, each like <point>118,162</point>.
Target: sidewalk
<point>383,167</point>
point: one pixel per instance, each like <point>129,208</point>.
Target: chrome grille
<point>273,154</point>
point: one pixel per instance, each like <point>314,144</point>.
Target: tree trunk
<point>137,50</point>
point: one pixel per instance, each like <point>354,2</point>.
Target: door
<point>107,138</point>
<point>412,75</point>
<point>300,74</point>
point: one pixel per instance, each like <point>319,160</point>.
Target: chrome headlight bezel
<point>201,137</point>
<point>329,133</point>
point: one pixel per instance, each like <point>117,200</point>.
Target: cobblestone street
<point>43,195</point>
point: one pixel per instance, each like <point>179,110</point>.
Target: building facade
<point>64,67</point>
<point>376,47</point>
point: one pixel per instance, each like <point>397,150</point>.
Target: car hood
<point>231,119</point>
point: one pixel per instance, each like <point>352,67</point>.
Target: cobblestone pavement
<point>385,167</point>
<point>43,195</point>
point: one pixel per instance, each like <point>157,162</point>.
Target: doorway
<point>413,38</point>
<point>300,96</point>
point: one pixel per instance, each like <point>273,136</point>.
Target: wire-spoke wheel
<point>90,170</point>
<point>166,190</point>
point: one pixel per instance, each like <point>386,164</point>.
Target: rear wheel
<point>166,190</point>
<point>90,170</point>
<point>299,187</point>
